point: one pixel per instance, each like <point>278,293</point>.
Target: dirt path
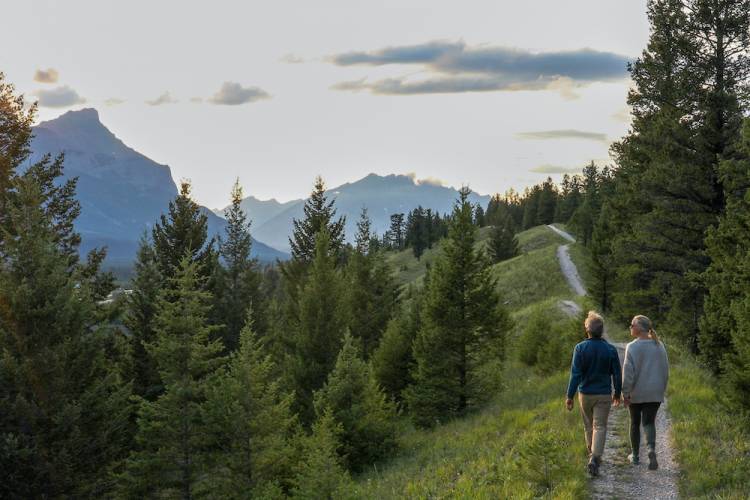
<point>618,478</point>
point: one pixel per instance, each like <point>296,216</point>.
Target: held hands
<point>569,404</point>
<point>615,401</point>
<point>626,401</point>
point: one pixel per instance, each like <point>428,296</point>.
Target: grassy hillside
<point>522,443</point>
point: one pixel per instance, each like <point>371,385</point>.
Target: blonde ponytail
<point>652,335</point>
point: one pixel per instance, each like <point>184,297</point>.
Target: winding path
<point>618,478</point>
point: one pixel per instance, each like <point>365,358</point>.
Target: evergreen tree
<point>319,215</point>
<point>320,329</point>
<point>240,276</point>
<point>249,424</point>
<point>397,231</point>
<point>170,459</point>
<point>354,399</point>
<point>146,286</point>
<point>320,473</point>
<point>531,207</point>
<point>463,325</point>
<point>479,217</point>
<point>546,202</point>
<point>393,361</point>
<point>371,293</point>
<point>183,230</point>
<point>65,410</point>
<point>503,243</point>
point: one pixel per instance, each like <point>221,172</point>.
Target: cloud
<point>454,67</point>
<point>555,169</point>
<point>46,76</point>
<point>427,181</point>
<point>165,98</point>
<point>59,97</point>
<point>232,94</point>
<point>292,59</point>
<point>622,115</point>
<point>113,101</point>
<point>544,135</point>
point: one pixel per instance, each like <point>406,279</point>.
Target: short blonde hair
<point>594,324</point>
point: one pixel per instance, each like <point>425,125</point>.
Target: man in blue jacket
<point>595,369</point>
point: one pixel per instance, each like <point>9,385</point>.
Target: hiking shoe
<point>594,466</point>
<point>652,463</point>
<point>633,459</point>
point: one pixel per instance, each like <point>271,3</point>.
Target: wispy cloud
<point>165,98</point>
<point>59,97</point>
<point>622,115</point>
<point>113,101</point>
<point>292,59</point>
<point>233,94</point>
<point>544,135</point>
<point>46,76</point>
<point>555,169</point>
<point>455,67</point>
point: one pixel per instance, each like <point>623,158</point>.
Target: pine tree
<point>249,424</point>
<point>546,203</point>
<point>240,277</point>
<point>354,400</point>
<point>319,215</point>
<point>463,325</point>
<point>503,243</point>
<point>54,374</point>
<point>393,360</point>
<point>170,459</point>
<point>479,216</point>
<point>320,473</point>
<point>397,232</point>
<point>146,286</point>
<point>320,329</point>
<point>371,293</point>
<point>183,230</point>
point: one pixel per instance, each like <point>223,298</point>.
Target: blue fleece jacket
<point>595,367</point>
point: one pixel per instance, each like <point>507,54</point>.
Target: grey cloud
<point>459,68</point>
<point>59,97</point>
<point>233,94</point>
<point>563,134</point>
<point>165,98</point>
<point>555,169</point>
<point>46,76</point>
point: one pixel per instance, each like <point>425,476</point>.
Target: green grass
<point>712,441</point>
<point>522,445</point>
<point>531,278</point>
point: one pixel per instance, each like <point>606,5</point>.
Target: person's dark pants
<point>643,414</point>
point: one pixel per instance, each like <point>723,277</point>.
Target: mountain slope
<point>122,192</point>
<point>381,195</point>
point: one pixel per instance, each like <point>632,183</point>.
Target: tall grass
<point>522,445</point>
<point>712,440</point>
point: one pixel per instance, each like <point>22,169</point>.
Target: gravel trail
<point>617,477</point>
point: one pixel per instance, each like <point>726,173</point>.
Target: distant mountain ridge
<point>260,211</point>
<point>381,195</point>
<point>122,192</point>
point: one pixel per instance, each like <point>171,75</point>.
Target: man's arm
<point>575,373</point>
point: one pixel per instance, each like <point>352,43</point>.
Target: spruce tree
<point>170,459</point>
<point>371,293</point>
<point>183,230</point>
<point>320,473</point>
<point>240,283</point>
<point>146,286</point>
<point>355,401</point>
<point>393,360</point>
<point>249,424</point>
<point>503,243</point>
<point>319,214</point>
<point>318,333</point>
<point>463,325</point>
<point>65,409</point>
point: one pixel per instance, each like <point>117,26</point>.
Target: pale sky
<point>493,94</point>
